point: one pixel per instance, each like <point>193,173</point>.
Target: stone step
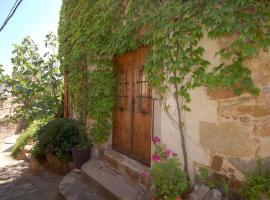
<point>73,188</point>
<point>128,167</point>
<point>114,184</point>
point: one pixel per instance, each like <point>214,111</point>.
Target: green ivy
<point>92,32</point>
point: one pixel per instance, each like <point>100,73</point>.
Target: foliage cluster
<point>57,137</point>
<point>27,137</point>
<point>257,185</point>
<point>36,82</point>
<point>92,32</point>
<point>169,180</point>
<point>3,94</point>
<point>206,177</point>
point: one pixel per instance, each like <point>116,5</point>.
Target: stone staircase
<point>114,177</point>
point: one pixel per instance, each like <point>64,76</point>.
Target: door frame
<point>133,155</point>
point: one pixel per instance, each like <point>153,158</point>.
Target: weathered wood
<point>133,112</point>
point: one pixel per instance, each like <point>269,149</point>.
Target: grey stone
<point>27,186</point>
<point>73,188</point>
<point>199,192</point>
<point>100,174</point>
<point>249,166</point>
<point>213,194</point>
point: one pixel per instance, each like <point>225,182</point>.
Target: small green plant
<point>226,187</point>
<point>170,180</point>
<point>57,137</point>
<point>27,137</point>
<point>204,177</point>
<point>223,183</point>
<point>257,184</point>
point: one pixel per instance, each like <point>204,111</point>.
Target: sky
<point>34,18</point>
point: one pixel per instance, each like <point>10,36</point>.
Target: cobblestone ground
<point>18,183</point>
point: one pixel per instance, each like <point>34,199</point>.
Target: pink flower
<point>168,152</point>
<point>156,139</point>
<point>144,174</point>
<point>174,154</point>
<point>156,157</point>
<point>178,198</point>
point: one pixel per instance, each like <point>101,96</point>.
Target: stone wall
<point>225,132</point>
<point>243,127</point>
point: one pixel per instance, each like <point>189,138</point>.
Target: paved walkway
<point>18,183</point>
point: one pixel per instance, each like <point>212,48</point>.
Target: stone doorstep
<point>128,167</point>
<point>72,187</point>
<point>114,184</point>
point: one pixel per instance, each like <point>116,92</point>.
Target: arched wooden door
<point>133,112</point>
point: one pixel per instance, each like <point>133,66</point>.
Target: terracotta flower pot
<point>80,156</point>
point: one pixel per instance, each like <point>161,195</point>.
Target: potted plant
<point>81,152</point>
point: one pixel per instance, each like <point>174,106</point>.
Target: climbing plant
<point>92,32</point>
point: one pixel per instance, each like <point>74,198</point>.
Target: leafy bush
<point>38,152</point>
<point>204,177</point>
<point>36,81</point>
<point>56,137</point>
<point>257,184</point>
<point>169,180</point>
<point>27,136</point>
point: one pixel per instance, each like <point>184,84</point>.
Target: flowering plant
<point>168,178</point>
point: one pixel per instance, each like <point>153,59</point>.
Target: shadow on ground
<point>17,182</point>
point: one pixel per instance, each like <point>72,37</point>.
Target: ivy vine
<point>92,32</point>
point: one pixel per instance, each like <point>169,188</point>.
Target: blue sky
<point>34,18</point>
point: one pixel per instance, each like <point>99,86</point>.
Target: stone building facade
<point>224,132</point>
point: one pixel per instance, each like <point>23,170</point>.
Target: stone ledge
<point>100,174</point>
<point>128,167</point>
<point>73,188</point>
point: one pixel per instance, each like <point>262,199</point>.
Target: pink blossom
<point>178,198</point>
<point>168,152</point>
<point>174,154</point>
<point>156,157</point>
<point>156,139</point>
<point>144,174</point>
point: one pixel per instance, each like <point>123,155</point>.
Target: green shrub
<point>205,178</point>
<point>26,137</point>
<point>170,180</point>
<point>56,137</point>
<point>257,184</point>
<point>38,152</point>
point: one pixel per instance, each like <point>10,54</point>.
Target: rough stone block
<point>220,93</point>
<point>199,192</point>
<point>227,138</point>
<point>213,194</point>
<point>217,162</point>
<point>28,148</point>
<point>249,166</point>
<point>255,111</point>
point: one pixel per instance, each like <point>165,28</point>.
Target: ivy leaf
<point>249,50</point>
<point>265,43</point>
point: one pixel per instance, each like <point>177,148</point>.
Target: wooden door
<point>133,112</point>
